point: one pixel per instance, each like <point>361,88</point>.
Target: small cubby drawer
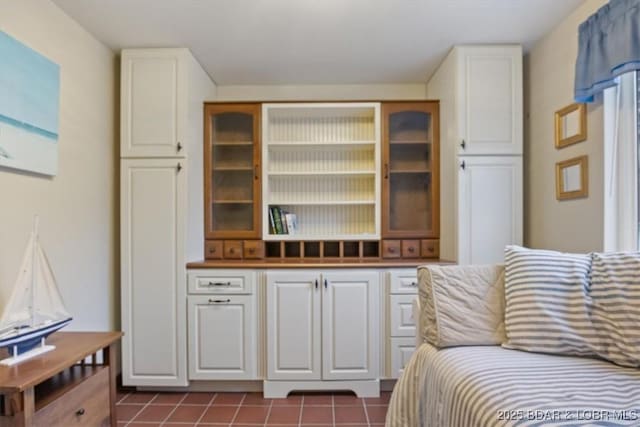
<point>233,249</point>
<point>253,249</point>
<point>221,282</point>
<point>411,249</point>
<point>430,248</point>
<point>213,249</point>
<point>391,249</point>
<point>404,281</point>
<point>402,321</point>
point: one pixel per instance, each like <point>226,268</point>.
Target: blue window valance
<point>608,46</point>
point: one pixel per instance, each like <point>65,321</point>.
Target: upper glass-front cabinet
<point>232,171</point>
<point>410,186</point>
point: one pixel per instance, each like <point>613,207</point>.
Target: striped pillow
<point>547,302</point>
<point>615,290</point>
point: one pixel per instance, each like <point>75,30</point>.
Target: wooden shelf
<point>410,171</point>
<point>232,202</point>
<point>232,168</point>
<point>231,143</point>
<point>410,142</point>
<point>315,237</point>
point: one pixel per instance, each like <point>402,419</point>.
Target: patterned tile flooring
<point>138,409</point>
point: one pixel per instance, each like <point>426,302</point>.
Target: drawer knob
<point>252,250</point>
<point>219,284</point>
<point>412,249</point>
<point>414,284</point>
<point>80,412</point>
<point>392,250</point>
<point>212,250</point>
<point>232,251</point>
<point>219,301</point>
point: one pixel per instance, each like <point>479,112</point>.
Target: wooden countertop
<point>70,348</point>
<point>320,263</point>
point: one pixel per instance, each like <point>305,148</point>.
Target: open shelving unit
<point>321,162</point>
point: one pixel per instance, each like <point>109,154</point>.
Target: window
<point>622,165</point>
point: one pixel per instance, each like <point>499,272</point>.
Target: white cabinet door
<point>402,323</point>
<point>293,325</point>
<point>350,325</point>
<point>490,100</point>
<point>153,272</point>
<point>401,351</point>
<point>153,103</point>
<point>489,207</point>
<point>222,338</point>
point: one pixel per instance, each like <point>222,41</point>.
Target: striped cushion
<point>547,302</point>
<point>615,291</point>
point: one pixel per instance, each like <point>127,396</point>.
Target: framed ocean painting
<point>29,108</point>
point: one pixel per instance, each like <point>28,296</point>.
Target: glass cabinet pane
<point>232,170</point>
<point>408,175</point>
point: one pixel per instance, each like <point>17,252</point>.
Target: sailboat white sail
<point>35,308</point>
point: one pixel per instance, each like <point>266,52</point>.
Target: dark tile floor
<point>248,409</point>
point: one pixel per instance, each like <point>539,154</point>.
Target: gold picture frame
<point>571,125</point>
<point>572,178</point>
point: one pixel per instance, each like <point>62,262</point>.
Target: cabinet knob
<point>179,146</point>
<point>414,284</point>
<point>232,250</point>
<point>212,250</point>
<point>463,145</point>
<point>463,165</point>
<point>80,412</point>
<point>252,250</point>
<point>179,167</point>
<point>411,249</point>
<point>391,249</point>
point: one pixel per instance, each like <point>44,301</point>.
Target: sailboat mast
<point>34,260</point>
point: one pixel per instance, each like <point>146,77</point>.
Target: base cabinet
<point>222,337</point>
<point>322,326</point>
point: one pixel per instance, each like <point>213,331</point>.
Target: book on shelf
<point>281,221</point>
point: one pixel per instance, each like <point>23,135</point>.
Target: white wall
<point>78,207</point>
<point>321,92</point>
<point>572,225</point>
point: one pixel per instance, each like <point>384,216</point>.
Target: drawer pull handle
<point>219,301</point>
<point>80,412</point>
<point>414,284</point>
<point>219,284</point>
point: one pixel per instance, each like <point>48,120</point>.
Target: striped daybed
<point>490,385</point>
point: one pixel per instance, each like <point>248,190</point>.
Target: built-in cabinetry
<point>322,327</point>
<point>316,169</point>
<point>480,93</point>
<point>160,208</point>
<point>403,289</point>
<point>232,181</point>
<point>222,313</point>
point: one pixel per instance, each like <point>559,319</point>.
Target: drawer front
<point>430,248</point>
<point>401,312</point>
<point>253,249</point>
<point>213,249</point>
<point>221,282</point>
<point>86,405</point>
<point>232,249</point>
<point>403,281</point>
<point>401,351</point>
<point>391,249</point>
<point>411,249</point>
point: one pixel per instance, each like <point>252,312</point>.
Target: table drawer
<point>86,405</point>
<point>401,351</point>
<point>401,312</point>
<point>221,282</point>
<point>404,281</point>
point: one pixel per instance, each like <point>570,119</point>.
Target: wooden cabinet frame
<point>432,108</point>
<point>211,109</point>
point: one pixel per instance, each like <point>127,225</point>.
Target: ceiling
<point>317,41</point>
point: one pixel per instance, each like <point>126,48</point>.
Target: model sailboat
<point>35,309</point>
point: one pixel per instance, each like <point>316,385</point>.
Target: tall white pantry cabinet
<point>161,211</point>
<point>480,93</point>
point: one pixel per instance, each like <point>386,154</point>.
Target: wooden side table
<point>60,388</point>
